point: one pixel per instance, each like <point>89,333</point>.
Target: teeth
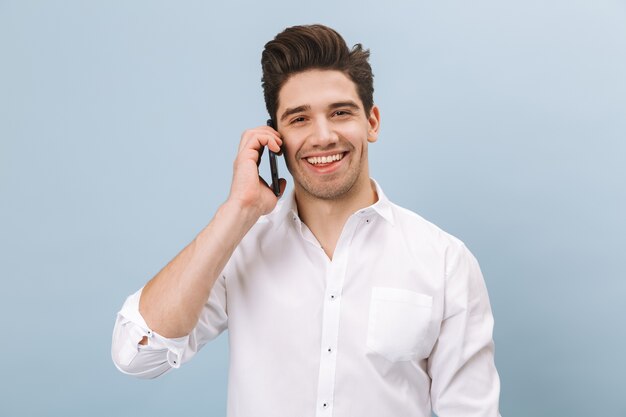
<point>324,159</point>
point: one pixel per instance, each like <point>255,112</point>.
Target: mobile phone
<point>273,164</point>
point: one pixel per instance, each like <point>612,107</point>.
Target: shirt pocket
<point>399,322</point>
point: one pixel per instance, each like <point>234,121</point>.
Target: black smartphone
<point>273,164</point>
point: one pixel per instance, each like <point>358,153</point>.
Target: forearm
<point>172,301</point>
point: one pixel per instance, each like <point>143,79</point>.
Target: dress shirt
<point>396,324</point>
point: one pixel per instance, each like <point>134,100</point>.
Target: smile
<point>317,160</point>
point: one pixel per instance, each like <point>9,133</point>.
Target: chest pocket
<point>399,323</point>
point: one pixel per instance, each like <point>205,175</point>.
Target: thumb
<point>283,185</point>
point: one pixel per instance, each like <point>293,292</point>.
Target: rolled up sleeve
<point>162,354</point>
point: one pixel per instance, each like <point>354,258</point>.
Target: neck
<point>326,218</point>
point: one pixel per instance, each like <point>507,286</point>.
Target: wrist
<point>229,225</point>
<point>243,215</point>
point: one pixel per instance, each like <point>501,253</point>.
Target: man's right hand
<point>249,192</point>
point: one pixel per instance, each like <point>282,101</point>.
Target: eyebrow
<point>294,110</point>
<point>288,112</point>
<point>351,104</point>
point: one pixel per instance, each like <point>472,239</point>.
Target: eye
<point>340,113</point>
<point>297,120</point>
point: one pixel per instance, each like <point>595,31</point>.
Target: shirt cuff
<point>137,328</point>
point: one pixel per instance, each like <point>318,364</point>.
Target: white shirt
<point>398,322</point>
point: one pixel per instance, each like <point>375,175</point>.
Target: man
<point>338,302</point>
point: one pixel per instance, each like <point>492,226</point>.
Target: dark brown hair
<point>301,48</point>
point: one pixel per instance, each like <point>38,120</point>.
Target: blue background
<point>504,122</point>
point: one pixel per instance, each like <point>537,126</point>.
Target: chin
<point>327,190</point>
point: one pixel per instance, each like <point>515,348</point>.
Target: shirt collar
<point>383,205</point>
<point>288,209</point>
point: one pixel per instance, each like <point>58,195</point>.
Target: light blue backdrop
<point>502,122</point>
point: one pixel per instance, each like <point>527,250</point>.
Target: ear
<point>374,124</point>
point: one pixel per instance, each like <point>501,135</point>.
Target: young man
<point>338,302</point>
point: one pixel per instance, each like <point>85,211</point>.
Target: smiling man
<point>337,301</point>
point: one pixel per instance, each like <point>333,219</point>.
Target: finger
<point>248,156</point>
<point>258,162</point>
<point>261,130</point>
<point>253,145</point>
<point>259,142</point>
<point>281,182</point>
<point>271,140</point>
<point>259,137</point>
<point>270,129</point>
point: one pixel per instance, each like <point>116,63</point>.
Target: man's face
<point>325,133</point>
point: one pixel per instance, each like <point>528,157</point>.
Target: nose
<point>323,133</point>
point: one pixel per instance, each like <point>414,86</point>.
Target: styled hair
<point>301,48</point>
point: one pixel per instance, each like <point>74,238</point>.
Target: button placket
<point>330,322</point>
<point>329,341</point>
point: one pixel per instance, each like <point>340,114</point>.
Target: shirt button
<point>333,296</point>
<point>330,349</point>
<point>325,405</point>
